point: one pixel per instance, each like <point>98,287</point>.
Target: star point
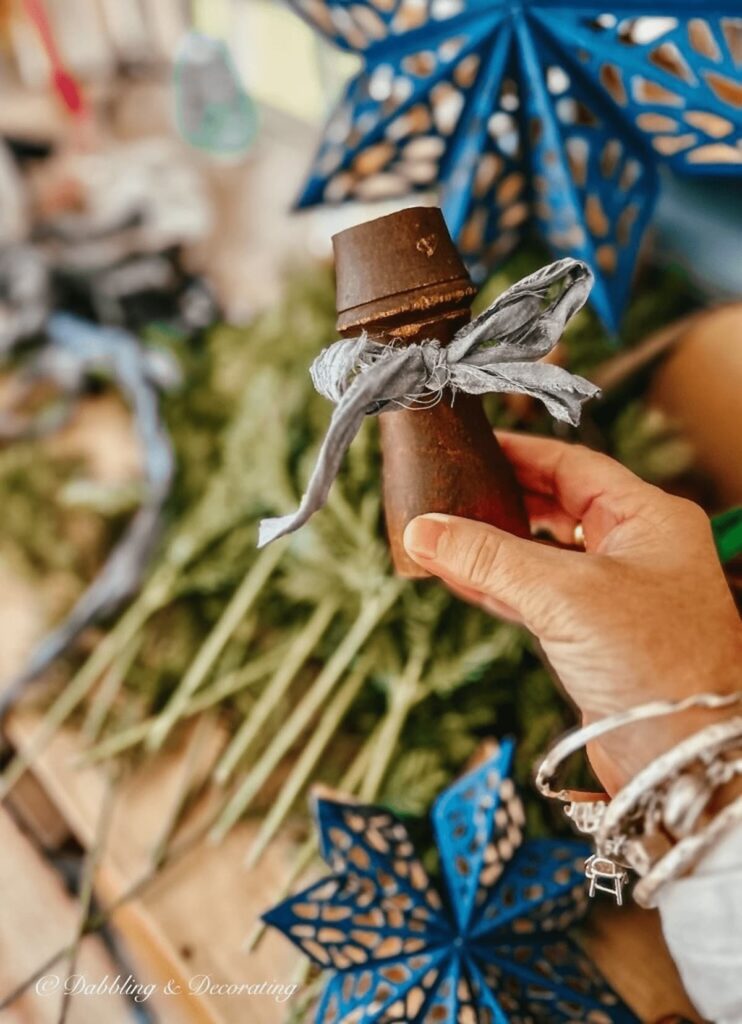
<point>532,112</point>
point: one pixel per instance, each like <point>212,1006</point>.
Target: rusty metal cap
<point>399,269</point>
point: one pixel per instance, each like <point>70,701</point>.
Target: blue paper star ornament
<point>532,110</point>
<point>495,951</point>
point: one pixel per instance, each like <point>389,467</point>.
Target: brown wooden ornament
<point>401,279</point>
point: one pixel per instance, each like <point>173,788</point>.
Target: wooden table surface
<point>194,920</point>
<point>37,917</point>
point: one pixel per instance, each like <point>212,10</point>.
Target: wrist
<point>623,755</point>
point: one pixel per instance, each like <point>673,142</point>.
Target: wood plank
<point>32,807</point>
<point>627,945</point>
<point>22,618</point>
<point>37,917</point>
<point>194,920</point>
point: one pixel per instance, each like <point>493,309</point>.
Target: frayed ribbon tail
<point>271,529</point>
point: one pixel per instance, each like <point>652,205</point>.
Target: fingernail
<point>422,535</point>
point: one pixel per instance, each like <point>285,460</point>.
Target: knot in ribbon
<point>496,352</point>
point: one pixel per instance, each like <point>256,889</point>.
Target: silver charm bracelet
<point>663,803</point>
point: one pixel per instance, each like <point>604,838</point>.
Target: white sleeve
<point>702,922</point>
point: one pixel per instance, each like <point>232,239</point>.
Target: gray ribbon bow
<point>493,353</point>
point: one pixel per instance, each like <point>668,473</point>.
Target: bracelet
<point>579,738</point>
<point>681,858</point>
<point>663,802</point>
<point>684,810</point>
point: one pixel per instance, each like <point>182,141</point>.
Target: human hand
<point>643,614</point>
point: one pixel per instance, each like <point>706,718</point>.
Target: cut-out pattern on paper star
<point>541,110</point>
<point>496,951</point>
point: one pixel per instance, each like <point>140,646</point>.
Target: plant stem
<point>321,736</point>
<point>310,994</point>
<point>350,781</point>
<point>187,784</point>
<point>17,992</point>
<point>403,697</point>
<point>239,679</point>
<point>241,602</point>
<point>224,687</point>
<point>301,976</point>
<point>102,701</point>
<point>300,650</point>
<point>358,767</point>
<point>303,858</point>
<point>372,610</point>
<point>92,861</point>
<point>85,679</point>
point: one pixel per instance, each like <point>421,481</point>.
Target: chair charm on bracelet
<point>658,825</point>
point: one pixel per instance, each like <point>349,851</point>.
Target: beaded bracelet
<point>665,801</point>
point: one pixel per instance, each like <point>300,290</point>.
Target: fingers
<point>589,487</point>
<point>545,514</point>
<point>488,604</point>
<point>568,472</point>
<point>530,580</point>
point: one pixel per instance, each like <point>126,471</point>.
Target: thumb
<point>533,580</point>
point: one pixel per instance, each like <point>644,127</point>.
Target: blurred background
<point>124,56</point>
